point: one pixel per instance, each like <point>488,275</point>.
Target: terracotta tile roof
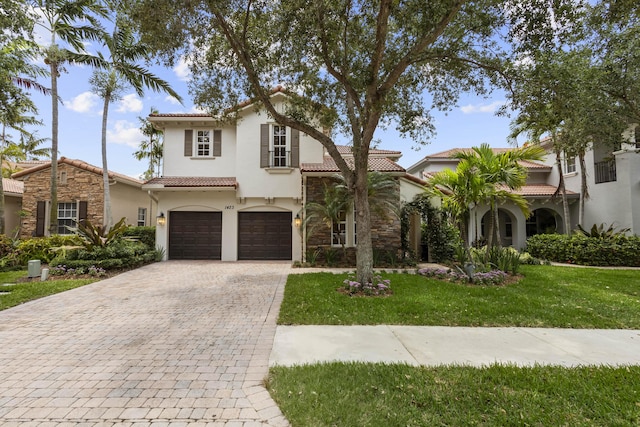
<point>379,164</point>
<point>346,149</point>
<point>241,105</point>
<point>533,165</point>
<point>415,179</point>
<point>542,190</point>
<point>448,153</point>
<point>12,186</point>
<point>80,165</point>
<point>193,181</point>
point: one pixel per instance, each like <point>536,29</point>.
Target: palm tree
<point>504,173</point>
<point>118,72</point>
<point>460,191</point>
<point>71,22</point>
<point>29,144</point>
<point>150,148</point>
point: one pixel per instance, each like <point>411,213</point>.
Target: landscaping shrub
<point>146,235</point>
<point>44,248</point>
<point>6,245</point>
<point>579,249</point>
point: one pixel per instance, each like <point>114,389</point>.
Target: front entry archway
<point>542,221</point>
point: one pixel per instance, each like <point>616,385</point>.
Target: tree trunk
<point>2,146</point>
<point>53,208</point>
<point>497,241</point>
<point>563,192</point>
<point>106,220</point>
<point>364,249</point>
<point>584,187</point>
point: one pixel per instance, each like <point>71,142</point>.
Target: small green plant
<point>312,255</point>
<point>93,236</point>
<point>599,231</point>
<point>331,256</point>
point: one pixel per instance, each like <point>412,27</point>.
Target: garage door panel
<point>264,235</point>
<point>195,235</point>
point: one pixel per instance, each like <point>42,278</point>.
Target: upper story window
<point>202,143</point>
<point>570,164</point>
<point>279,146</point>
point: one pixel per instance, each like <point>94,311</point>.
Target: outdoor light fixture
<point>297,221</point>
<point>161,219</point>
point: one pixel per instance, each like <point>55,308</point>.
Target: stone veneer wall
<point>385,232</point>
<point>81,185</point>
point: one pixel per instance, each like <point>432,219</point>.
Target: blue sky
<point>471,123</point>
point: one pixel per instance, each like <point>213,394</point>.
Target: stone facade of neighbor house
<point>385,230</point>
<point>80,197</point>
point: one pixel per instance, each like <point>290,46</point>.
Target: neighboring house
<point>237,191</point>
<point>80,196</point>
<point>13,191</point>
<point>546,210</point>
<point>613,180</point>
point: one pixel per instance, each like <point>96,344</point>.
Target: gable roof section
<point>373,152</point>
<point>378,164</point>
<point>12,187</point>
<point>191,182</point>
<point>80,165</point>
<point>446,156</point>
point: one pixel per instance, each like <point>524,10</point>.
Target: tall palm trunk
<point>53,208</point>
<point>107,220</point>
<point>2,146</point>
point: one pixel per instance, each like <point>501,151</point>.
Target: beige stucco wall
<point>12,207</point>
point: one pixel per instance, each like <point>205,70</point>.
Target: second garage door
<point>195,235</point>
<point>264,235</point>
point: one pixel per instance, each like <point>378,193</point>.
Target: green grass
<point>547,296</point>
<point>347,394</point>
<point>27,291</point>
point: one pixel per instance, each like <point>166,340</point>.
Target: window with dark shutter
<point>295,148</point>
<point>217,143</point>
<point>264,145</point>
<point>40,217</point>
<point>188,142</point>
<point>82,210</point>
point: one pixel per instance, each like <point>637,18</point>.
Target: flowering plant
<point>493,277</point>
<point>378,286</point>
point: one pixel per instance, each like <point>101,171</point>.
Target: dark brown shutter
<point>188,142</point>
<point>40,214</point>
<point>217,143</point>
<point>295,148</point>
<point>264,146</point>
<point>82,211</point>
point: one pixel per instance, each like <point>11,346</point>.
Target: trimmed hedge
<point>578,249</point>
<point>146,235</point>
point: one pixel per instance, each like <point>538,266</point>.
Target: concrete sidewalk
<point>437,345</point>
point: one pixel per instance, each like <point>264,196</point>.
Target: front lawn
<point>547,296</point>
<point>348,394</point>
<point>21,292</point>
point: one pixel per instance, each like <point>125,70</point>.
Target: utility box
<point>33,268</point>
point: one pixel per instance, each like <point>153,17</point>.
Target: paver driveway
<point>171,343</point>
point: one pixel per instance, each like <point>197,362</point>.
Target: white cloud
<point>170,99</point>
<point>482,108</point>
<point>182,69</point>
<point>83,103</point>
<point>124,132</point>
<point>130,104</point>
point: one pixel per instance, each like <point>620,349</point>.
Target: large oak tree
<point>369,62</point>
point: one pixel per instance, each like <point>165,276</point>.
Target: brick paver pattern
<point>170,344</point>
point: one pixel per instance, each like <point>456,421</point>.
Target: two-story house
<point>237,191</point>
<point>546,210</point>
<point>80,196</point>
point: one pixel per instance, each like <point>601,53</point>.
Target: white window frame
<point>203,141</point>
<point>285,161</point>
<point>347,225</point>
<point>569,164</point>
<point>142,219</point>
<point>67,211</point>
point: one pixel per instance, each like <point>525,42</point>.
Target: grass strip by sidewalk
<point>19,293</point>
<point>356,394</point>
<point>547,296</point>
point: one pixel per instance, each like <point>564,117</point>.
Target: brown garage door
<point>195,235</point>
<point>264,235</point>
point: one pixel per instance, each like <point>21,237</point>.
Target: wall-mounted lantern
<point>161,219</point>
<point>297,221</point>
